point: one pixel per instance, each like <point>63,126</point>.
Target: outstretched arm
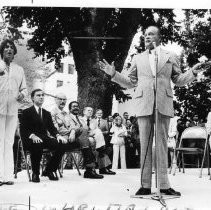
<point>126,81</point>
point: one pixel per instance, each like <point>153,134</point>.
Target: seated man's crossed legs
<point>103,160</point>
<point>81,141</point>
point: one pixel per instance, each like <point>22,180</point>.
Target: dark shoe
<point>1,183</point>
<point>8,183</point>
<point>170,191</point>
<point>50,175</point>
<point>143,191</point>
<point>111,172</point>
<point>106,171</point>
<point>35,178</point>
<point>92,175</point>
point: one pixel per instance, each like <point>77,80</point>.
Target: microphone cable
<point>150,137</point>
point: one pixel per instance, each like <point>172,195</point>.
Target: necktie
<point>79,121</point>
<point>99,123</point>
<point>88,123</point>
<point>40,113</point>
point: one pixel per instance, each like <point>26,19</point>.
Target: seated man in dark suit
<point>38,132</point>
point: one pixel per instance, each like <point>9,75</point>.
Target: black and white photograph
<point>105,105</point>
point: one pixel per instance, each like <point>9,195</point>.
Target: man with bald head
<point>154,62</point>
<point>59,115</point>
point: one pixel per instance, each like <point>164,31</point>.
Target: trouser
<point>103,159</point>
<point>8,126</point>
<point>146,130</point>
<point>130,156</point>
<point>17,153</point>
<point>82,138</point>
<point>116,150</point>
<point>36,150</point>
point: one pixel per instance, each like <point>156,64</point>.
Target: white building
<point>63,80</point>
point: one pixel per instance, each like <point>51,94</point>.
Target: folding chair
<point>27,160</point>
<point>25,156</point>
<point>194,141</point>
<point>76,156</point>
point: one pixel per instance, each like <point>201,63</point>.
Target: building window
<point>61,68</point>
<point>59,83</point>
<point>71,69</point>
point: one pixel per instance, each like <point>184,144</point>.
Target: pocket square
<point>2,73</point>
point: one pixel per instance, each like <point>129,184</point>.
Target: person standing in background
<point>12,90</point>
<point>118,140</point>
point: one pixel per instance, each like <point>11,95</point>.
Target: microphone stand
<point>158,195</point>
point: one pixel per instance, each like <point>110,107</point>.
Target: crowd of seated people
<point>61,131</point>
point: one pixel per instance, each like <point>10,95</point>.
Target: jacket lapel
<point>37,115</point>
<point>164,56</point>
<point>147,66</point>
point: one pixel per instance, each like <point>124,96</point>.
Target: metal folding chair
<point>76,157</point>
<point>27,160</point>
<point>194,141</point>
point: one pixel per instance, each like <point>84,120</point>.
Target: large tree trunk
<point>94,87</point>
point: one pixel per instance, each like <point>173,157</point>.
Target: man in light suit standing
<point>142,76</point>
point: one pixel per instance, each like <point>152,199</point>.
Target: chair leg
<point>170,169</point>
<point>17,159</point>
<point>208,160</point>
<point>176,158</point>
<point>76,165</point>
<point>183,167</point>
<point>27,166</point>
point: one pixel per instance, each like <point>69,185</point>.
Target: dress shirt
<point>152,58</point>
<point>37,109</point>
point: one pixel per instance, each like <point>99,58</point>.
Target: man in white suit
<point>142,76</point>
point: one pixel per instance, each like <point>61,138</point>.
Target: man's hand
<point>72,136</point>
<point>20,97</point>
<point>61,139</point>
<point>201,67</point>
<point>91,133</point>
<point>107,68</point>
<point>36,139</point>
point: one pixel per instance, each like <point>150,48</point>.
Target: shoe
<point>35,178</point>
<point>1,183</point>
<point>111,172</point>
<point>106,171</point>
<point>50,175</point>
<point>170,191</point>
<point>143,191</point>
<point>92,175</point>
<point>8,183</point>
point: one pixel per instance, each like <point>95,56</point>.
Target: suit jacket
<point>141,77</point>
<point>31,123</point>
<point>103,125</point>
<point>73,122</point>
<point>61,121</point>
